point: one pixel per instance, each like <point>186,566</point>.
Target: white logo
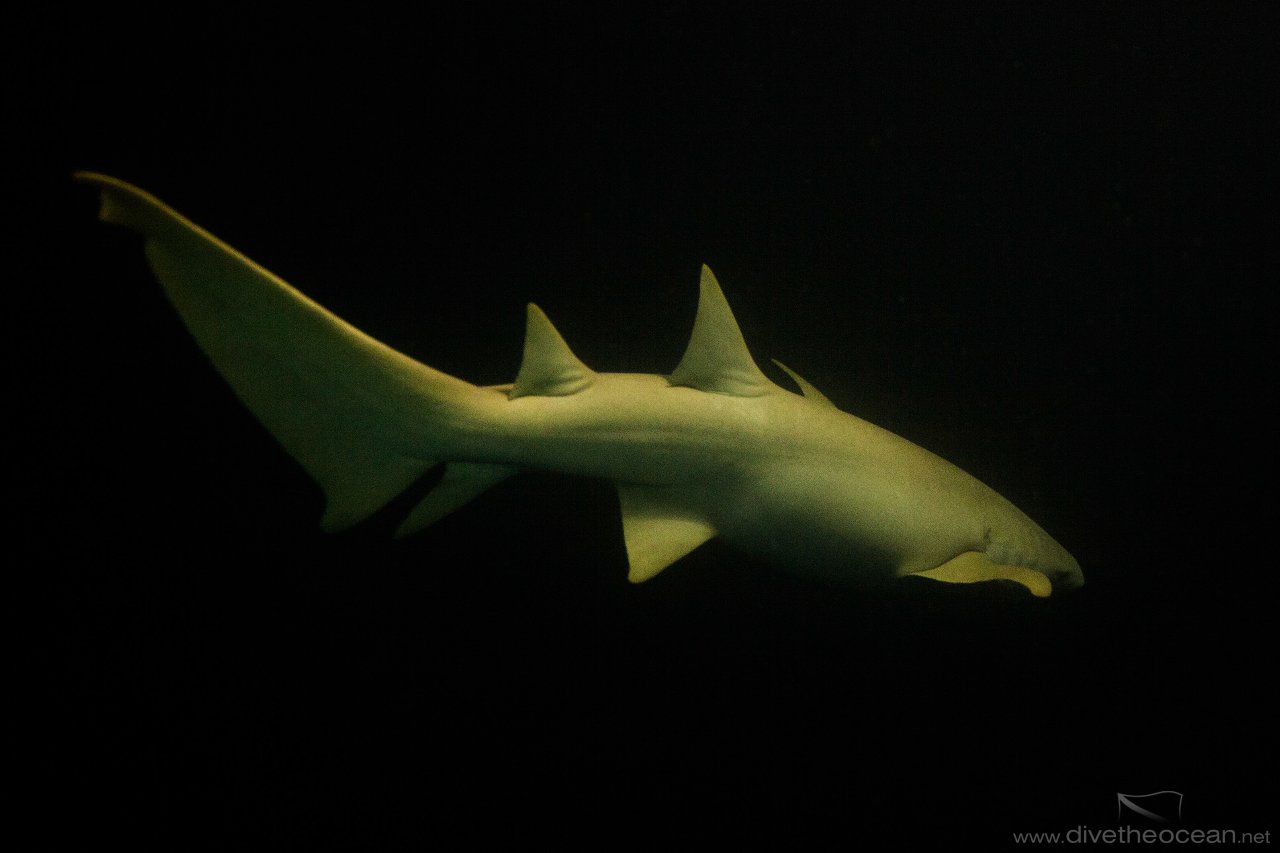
<point>1160,806</point>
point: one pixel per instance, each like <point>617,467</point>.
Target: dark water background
<point>1037,241</point>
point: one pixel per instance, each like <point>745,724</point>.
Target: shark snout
<point>1066,574</point>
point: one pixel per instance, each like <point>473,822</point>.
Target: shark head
<point>1026,544</point>
<point>1014,548</point>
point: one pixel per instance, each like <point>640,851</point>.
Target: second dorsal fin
<point>717,358</point>
<point>549,368</point>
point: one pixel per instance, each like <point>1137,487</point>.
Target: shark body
<point>713,449</point>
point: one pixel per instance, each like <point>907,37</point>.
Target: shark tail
<point>364,420</point>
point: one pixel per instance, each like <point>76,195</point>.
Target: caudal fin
<point>363,419</point>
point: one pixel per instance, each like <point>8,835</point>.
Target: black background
<point>1036,240</point>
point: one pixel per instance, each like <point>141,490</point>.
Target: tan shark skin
<point>713,449</point>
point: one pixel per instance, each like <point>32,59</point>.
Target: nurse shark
<point>713,449</point>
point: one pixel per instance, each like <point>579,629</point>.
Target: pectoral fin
<point>974,566</point>
<point>657,533</point>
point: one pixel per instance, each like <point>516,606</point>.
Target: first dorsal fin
<point>549,368</point>
<point>717,358</point>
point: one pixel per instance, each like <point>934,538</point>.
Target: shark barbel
<point>713,449</point>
